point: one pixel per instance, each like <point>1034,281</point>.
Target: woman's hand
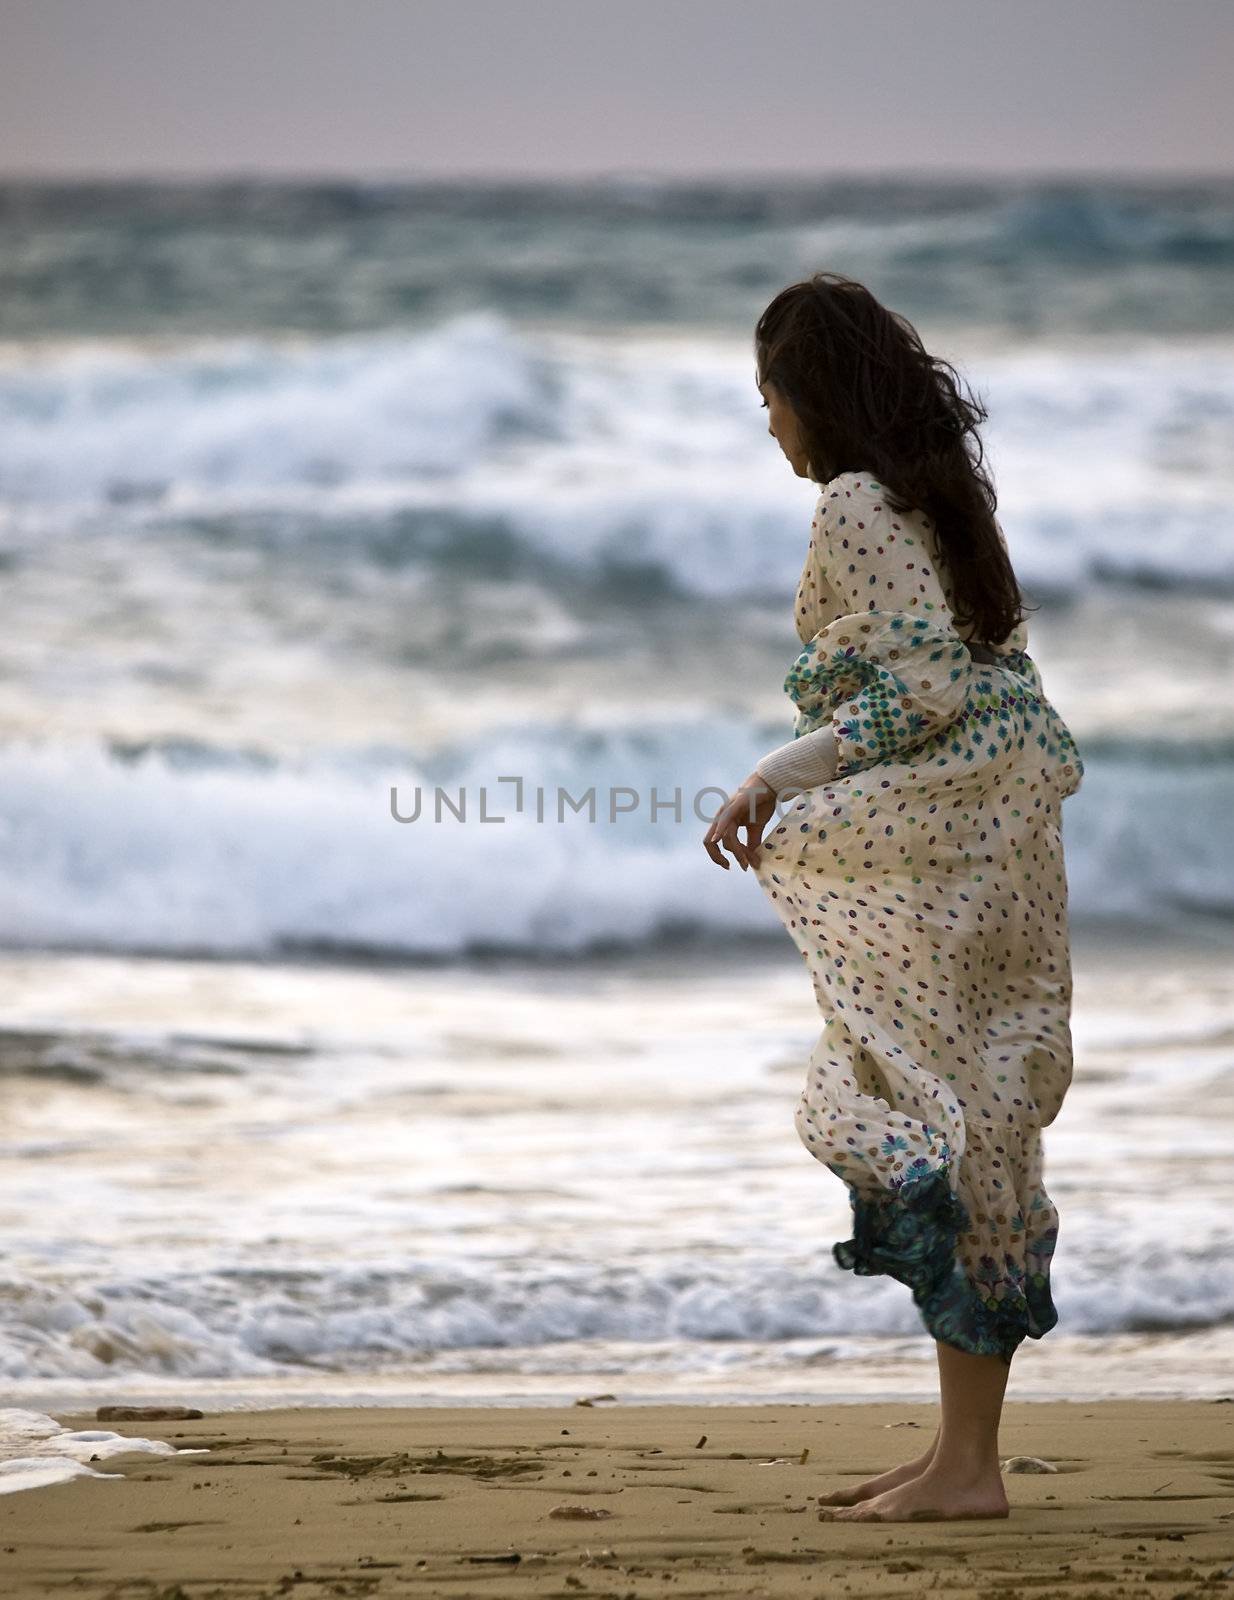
<point>751,807</point>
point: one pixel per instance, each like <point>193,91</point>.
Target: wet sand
<point>699,1501</point>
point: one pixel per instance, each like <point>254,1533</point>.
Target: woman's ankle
<point>966,1465</point>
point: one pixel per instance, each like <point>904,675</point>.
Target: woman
<point>918,863</point>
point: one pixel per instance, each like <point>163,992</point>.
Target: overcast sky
<point>539,87</point>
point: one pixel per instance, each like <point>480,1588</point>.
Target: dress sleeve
<point>890,671</point>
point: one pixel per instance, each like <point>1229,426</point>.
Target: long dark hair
<point>868,397</point>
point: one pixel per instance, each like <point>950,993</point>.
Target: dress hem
<point>910,1233</point>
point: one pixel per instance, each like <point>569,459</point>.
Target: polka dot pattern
<point>925,889</point>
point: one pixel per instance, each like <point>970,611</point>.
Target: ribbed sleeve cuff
<point>801,763</point>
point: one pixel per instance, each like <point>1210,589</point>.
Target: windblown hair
<point>868,397</point>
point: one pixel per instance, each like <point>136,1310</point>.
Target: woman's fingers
<point>723,833</point>
<point>738,847</point>
<point>712,836</point>
<point>713,850</point>
<point>753,841</point>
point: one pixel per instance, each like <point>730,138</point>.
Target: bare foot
<point>885,1480</point>
<point>934,1496</point>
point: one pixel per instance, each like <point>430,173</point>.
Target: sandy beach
<point>694,1501</point>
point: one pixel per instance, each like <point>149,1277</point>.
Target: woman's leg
<point>972,1393</point>
<point>960,1476</point>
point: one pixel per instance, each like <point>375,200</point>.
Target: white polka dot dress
<point>925,889</point>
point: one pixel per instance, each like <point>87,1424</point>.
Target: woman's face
<point>783,428</point>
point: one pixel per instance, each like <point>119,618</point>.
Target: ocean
<point>318,498</point>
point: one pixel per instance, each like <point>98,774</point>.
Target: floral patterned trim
<point>910,1234</point>
<point>915,695</point>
